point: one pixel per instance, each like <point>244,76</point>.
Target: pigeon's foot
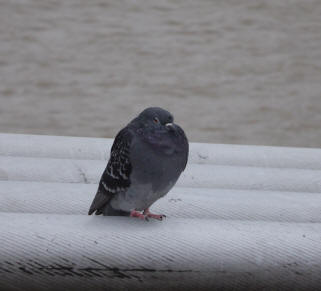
<point>155,216</point>
<point>137,214</point>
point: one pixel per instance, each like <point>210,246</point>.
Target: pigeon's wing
<point>116,177</point>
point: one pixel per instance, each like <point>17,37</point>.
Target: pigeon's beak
<point>169,126</point>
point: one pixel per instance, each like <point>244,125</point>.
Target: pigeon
<point>146,159</point>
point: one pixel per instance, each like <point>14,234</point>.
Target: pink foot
<point>155,216</point>
<point>139,215</point>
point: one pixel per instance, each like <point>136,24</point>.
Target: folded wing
<point>116,177</point>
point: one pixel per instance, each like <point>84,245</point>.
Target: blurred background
<point>245,72</point>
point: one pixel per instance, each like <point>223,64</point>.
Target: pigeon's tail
<point>100,201</point>
<point>101,205</point>
<point>92,210</point>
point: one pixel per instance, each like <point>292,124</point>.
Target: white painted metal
<point>241,217</point>
<point>61,147</point>
<point>195,175</point>
<point>200,203</point>
<point>71,252</point>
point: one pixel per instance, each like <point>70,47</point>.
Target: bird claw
<point>155,216</point>
<point>139,215</point>
<point>146,215</point>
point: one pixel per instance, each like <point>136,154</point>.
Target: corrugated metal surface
<point>240,217</point>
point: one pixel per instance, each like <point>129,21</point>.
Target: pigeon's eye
<point>156,120</point>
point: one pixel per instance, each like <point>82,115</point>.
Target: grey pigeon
<point>146,159</point>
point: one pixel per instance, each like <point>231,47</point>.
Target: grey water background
<point>231,71</point>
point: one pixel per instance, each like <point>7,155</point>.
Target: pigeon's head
<point>155,117</point>
<point>156,127</point>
